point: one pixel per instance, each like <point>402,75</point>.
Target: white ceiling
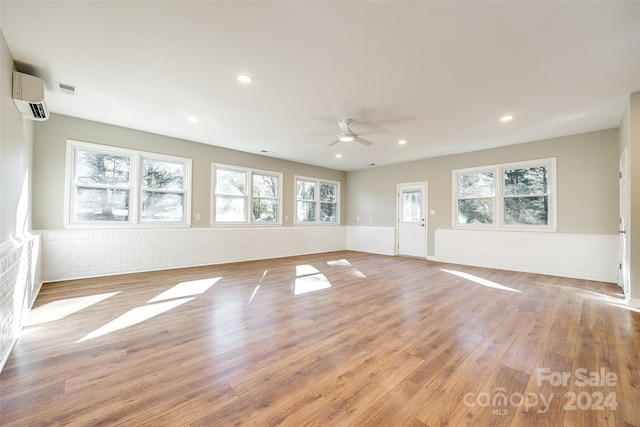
<point>438,74</point>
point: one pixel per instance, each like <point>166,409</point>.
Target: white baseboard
<point>634,302</point>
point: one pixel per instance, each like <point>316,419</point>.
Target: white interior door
<point>624,217</point>
<point>412,219</point>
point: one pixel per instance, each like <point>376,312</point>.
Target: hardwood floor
<point>336,339</point>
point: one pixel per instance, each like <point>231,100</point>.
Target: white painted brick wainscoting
<point>579,256</point>
<point>73,254</point>
<point>19,285</point>
<point>375,240</point>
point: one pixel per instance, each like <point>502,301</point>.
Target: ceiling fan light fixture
<point>346,138</point>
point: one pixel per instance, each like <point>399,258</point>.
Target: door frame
<point>625,200</point>
<point>425,213</point>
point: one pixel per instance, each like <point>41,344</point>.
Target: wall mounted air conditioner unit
<point>28,95</point>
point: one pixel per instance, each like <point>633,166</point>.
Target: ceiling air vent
<point>68,89</point>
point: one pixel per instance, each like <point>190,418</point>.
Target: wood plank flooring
<point>336,339</point>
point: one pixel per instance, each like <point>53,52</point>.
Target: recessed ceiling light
<point>193,119</point>
<point>338,156</point>
<point>345,138</point>
<point>506,118</point>
<point>402,142</point>
<point>244,78</point>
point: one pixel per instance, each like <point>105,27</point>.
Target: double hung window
<point>317,201</point>
<point>245,196</point>
<point>110,185</point>
<point>517,195</point>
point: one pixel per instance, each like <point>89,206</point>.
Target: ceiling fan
<point>347,135</point>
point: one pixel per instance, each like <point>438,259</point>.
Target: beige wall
<point>587,168</point>
<point>16,139</point>
<point>587,176</point>
<point>49,166</point>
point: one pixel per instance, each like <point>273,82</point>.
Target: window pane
<point>478,184</point>
<point>231,182</point>
<point>306,211</point>
<point>265,186</point>
<point>526,210</point>
<point>230,209</point>
<point>265,210</point>
<point>162,174</point>
<point>162,206</point>
<point>93,167</point>
<point>328,212</point>
<point>102,204</point>
<point>328,192</point>
<point>306,190</point>
<point>411,206</point>
<point>475,211</point>
<point>525,181</point>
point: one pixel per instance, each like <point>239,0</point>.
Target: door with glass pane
<point>412,219</point>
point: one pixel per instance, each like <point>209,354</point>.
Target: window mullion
<point>135,191</point>
<point>499,196</point>
<point>318,201</point>
<point>249,197</point>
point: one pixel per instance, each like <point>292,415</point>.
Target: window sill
<point>112,226</point>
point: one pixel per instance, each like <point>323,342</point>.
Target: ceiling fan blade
<point>362,141</point>
<point>333,143</point>
<point>371,131</point>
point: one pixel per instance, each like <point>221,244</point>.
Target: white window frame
<point>317,182</point>
<point>135,187</point>
<point>499,197</point>
<point>248,198</point>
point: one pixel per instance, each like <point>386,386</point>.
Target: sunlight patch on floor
<point>29,331</point>
<point>135,316</point>
<point>339,263</point>
<point>358,273</point>
<point>310,283</point>
<point>255,291</point>
<point>345,263</point>
<point>612,300</point>
<point>303,270</point>
<point>480,280</point>
<point>186,289</point>
<point>624,306</point>
<point>60,309</point>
